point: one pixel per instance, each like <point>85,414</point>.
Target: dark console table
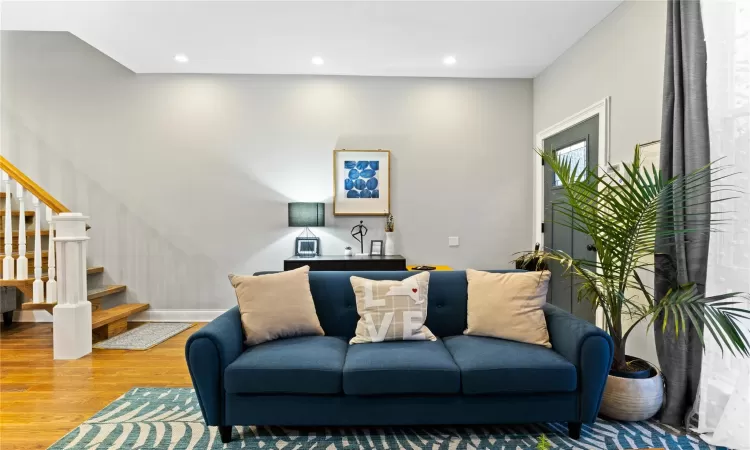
<point>394,262</point>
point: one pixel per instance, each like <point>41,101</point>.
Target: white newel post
<point>72,315</point>
<point>22,263</point>
<point>8,268</point>
<point>51,272</point>
<point>38,286</point>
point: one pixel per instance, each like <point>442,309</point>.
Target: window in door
<point>576,154</point>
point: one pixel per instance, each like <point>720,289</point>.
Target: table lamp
<point>307,215</point>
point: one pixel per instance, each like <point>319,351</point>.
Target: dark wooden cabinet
<point>347,263</point>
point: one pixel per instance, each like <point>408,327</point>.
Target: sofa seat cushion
<point>400,367</point>
<point>496,366</point>
<point>300,365</point>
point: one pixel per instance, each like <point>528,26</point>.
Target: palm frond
<point>629,211</point>
<point>717,314</point>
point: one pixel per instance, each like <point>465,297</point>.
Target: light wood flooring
<point>42,399</point>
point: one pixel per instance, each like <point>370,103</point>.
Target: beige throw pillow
<point>508,306</point>
<point>391,310</point>
<point>276,306</point>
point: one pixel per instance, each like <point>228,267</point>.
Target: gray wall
<point>623,58</point>
<point>186,178</point>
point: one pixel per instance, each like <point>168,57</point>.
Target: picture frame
<point>377,248</point>
<point>649,156</point>
<point>361,182</point>
<point>650,153</point>
<point>307,247</point>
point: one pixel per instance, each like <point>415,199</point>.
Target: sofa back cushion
<point>337,307</point>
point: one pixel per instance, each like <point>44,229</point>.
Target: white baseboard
<point>176,315</point>
<point>150,315</point>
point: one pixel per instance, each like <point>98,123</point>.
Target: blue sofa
<point>324,381</point>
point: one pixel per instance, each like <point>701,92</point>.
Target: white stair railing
<point>38,286</point>
<point>66,286</point>
<point>8,259</point>
<point>51,268</point>
<point>22,262</point>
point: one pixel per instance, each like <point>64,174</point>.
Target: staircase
<point>28,256</point>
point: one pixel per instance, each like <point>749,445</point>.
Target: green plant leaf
<point>626,210</point>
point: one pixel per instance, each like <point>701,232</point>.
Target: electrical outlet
<point>453,241</point>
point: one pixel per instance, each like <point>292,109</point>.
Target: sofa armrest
<point>589,348</point>
<point>208,352</point>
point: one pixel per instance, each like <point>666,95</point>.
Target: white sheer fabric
<point>724,407</point>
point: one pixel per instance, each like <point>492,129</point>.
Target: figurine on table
<point>359,235</point>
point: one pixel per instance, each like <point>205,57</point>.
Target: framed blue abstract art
<point>361,182</point>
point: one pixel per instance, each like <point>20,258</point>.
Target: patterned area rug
<point>143,337</point>
<point>159,418</point>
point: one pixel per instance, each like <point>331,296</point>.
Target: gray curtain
<point>684,148</point>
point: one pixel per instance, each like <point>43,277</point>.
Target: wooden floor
<point>41,399</point>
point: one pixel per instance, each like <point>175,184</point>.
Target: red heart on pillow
<point>414,290</point>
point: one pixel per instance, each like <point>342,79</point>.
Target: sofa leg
<point>8,318</point>
<point>574,430</point>
<point>226,433</point>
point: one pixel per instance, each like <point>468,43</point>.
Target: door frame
<point>602,109</point>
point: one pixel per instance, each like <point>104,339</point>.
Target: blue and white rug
<point>161,418</point>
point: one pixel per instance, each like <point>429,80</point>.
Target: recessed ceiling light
<point>449,60</point>
<point>181,58</point>
<point>317,60</point>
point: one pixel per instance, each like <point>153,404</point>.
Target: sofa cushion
<point>400,367</point>
<point>301,365</point>
<point>494,366</point>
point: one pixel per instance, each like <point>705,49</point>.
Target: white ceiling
<point>493,39</point>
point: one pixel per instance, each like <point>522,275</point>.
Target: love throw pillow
<point>392,310</point>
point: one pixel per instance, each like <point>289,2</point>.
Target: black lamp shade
<point>307,214</point>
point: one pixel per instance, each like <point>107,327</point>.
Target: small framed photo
<point>307,246</point>
<point>376,248</point>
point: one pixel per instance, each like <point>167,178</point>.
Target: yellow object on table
<point>436,267</point>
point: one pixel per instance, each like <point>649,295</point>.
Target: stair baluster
<point>22,263</point>
<point>8,268</point>
<point>51,282</point>
<point>38,286</point>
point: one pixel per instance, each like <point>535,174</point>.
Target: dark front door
<point>579,143</point>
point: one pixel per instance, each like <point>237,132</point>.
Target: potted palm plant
<point>626,211</point>
<point>534,261</point>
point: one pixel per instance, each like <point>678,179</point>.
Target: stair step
<point>31,306</point>
<point>104,291</point>
<point>45,277</point>
<point>29,256</point>
<point>113,321</point>
<point>29,233</point>
<point>95,269</point>
<point>93,296</point>
<point>17,213</point>
<point>89,271</point>
<point>107,316</point>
